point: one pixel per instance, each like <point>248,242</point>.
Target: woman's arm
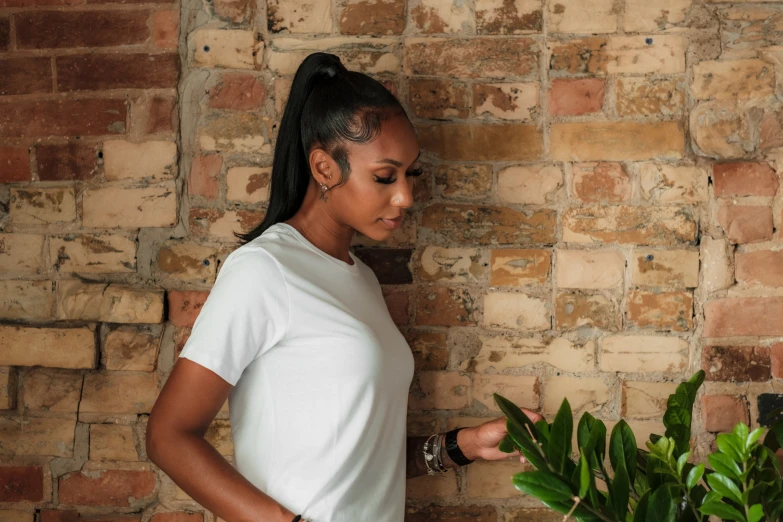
<point>188,403</point>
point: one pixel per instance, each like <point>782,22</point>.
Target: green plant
<point>743,482</point>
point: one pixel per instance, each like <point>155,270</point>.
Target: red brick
<point>21,483</point>
<point>117,71</point>
<point>471,58</point>
<point>453,514</point>
<point>5,31</point>
<point>444,306</point>
<point>66,162</point>
<point>184,307</point>
<point>205,176</point>
<point>25,76</point>
<point>106,488</point>
<point>177,517</point>
<point>375,17</point>
<point>398,303</point>
<point>740,316</point>
<point>38,3</point>
<point>58,29</point>
<point>746,224</point>
<point>736,363</point>
<point>601,181</point>
<point>573,97</point>
<point>721,413</point>
<point>764,267</point>
<point>236,11</point>
<point>239,92</point>
<point>62,118</point>
<point>438,98</point>
<point>776,360</point>
<point>14,164</point>
<point>166,29</point>
<point>744,179</point>
<point>51,515</point>
<point>161,115</point>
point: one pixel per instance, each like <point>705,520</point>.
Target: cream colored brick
<point>646,400</point>
<point>93,254</point>
<point>646,16</point>
<point>189,262</point>
<point>131,348</point>
<point>589,269</point>
<point>42,206</point>
<point>506,101</point>
<point>248,184</point>
<point>520,267</point>
<point>28,300</point>
<point>535,185</point>
<point>21,254</point>
<point>300,16</point>
<point>235,132</point>
<point>716,256</point>
<point>522,390</point>
<point>119,392</point>
<point>432,487</point>
<point>156,160</point>
<point>616,140</point>
<point>518,311</point>
<point>112,442</point>
<point>670,184</point>
<point>119,207</point>
<point>641,430</point>
<point>678,268</point>
<point>440,391</point>
<point>644,354</point>
<point>52,390</point>
<point>587,394</point>
<point>508,16</point>
<point>633,55</point>
<point>740,79</point>
<point>13,515</point>
<point>453,265</point>
<point>442,16</point>
<point>226,48</point>
<point>578,16</point>
<point>368,55</point>
<point>51,347</point>
<point>488,480</point>
<point>108,303</point>
<point>23,436</point>
<point>502,353</point>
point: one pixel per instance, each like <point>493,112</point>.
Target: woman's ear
<point>322,166</point>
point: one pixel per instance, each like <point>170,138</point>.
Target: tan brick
<point>723,412</point>
<point>52,390</point>
<point>189,262</point>
<point>517,311</point>
<point>435,487</point>
<point>21,254</point>
<point>586,394</point>
<point>23,436</point>
<point>471,58</point>
<point>646,400</point>
<point>746,224</point>
<point>92,254</point>
<point>119,392</point>
<point>218,224</point>
<point>533,185</point>
<point>487,480</point>
<point>501,353</point>
<point>429,349</point>
<point>454,265</point>
<point>226,48</point>
<point>627,224</point>
<point>13,515</point>
<point>620,55</point>
<point>625,140</point>
<point>719,129</point>
<point>441,16</point>
<point>7,389</point>
<point>670,184</point>
<point>438,98</point>
<point>661,310</point>
<point>522,390</point>
<point>440,391</point>
<point>520,267</point>
<point>152,206</point>
<point>113,303</point>
<point>763,267</point>
<point>506,101</point>
<point>575,16</point>
<point>235,132</point>
<point>23,346</point>
<point>300,16</point>
<point>740,79</point>
<point>716,264</point>
<point>589,268</point>
<point>156,160</point>
<point>463,181</point>
<point>665,268</point>
<point>644,96</point>
<point>470,142</point>
<point>646,16</point>
<point>574,310</point>
<point>112,442</point>
<point>601,182</point>
<point>184,307</point>
<point>502,17</point>
<point>539,515</point>
<point>367,55</point>
<point>744,179</point>
<point>483,225</point>
<point>248,184</point>
<point>636,353</point>
<point>131,348</point>
<point>373,17</point>
<point>576,96</point>
<point>28,300</point>
<point>740,316</point>
<point>42,206</point>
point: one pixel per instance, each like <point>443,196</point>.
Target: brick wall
<point>601,216</point>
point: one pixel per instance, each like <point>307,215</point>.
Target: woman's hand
<point>482,441</point>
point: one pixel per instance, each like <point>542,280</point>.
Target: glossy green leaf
<point>755,513</point>
<point>515,414</point>
<point>585,476</point>
<point>694,476</point>
<point>753,437</point>
<point>560,437</point>
<point>640,513</point>
<point>722,510</point>
<point>543,485</point>
<point>661,507</point>
<point>619,491</point>
<point>622,449</point>
<point>681,462</point>
<point>727,444</point>
<point>721,463</point>
<point>507,445</point>
<point>741,432</point>
<point>526,445</point>
<point>725,486</point>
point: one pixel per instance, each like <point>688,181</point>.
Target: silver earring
<point>324,187</point>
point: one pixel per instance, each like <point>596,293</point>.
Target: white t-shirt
<point>320,374</point>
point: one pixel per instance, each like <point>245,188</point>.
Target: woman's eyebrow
<point>396,163</point>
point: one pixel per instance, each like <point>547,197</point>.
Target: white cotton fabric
<point>320,374</point>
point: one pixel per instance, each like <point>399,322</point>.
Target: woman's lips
<point>391,224</point>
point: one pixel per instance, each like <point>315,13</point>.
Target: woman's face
<point>380,186</point>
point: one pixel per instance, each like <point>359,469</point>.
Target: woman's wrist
<point>466,442</point>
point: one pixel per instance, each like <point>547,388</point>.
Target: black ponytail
<point>327,106</point>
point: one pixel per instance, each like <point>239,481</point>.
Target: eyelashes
<point>390,180</point>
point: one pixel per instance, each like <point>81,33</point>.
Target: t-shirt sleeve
<point>245,314</point>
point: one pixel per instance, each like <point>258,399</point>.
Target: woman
<point>296,333</point>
